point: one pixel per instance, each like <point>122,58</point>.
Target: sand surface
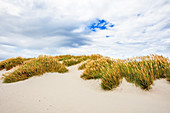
<point>68,93</point>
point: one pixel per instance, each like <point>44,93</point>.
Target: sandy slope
<point>68,93</point>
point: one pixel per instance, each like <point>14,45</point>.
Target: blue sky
<point>118,29</point>
<point>100,24</point>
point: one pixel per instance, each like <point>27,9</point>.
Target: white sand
<point>68,93</point>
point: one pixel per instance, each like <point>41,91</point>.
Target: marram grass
<point>36,66</point>
<point>68,57</point>
<point>111,79</point>
<point>12,62</point>
<point>83,65</point>
<point>63,57</point>
<point>75,60</point>
<point>95,68</point>
<point>144,70</point>
<point>89,59</point>
<point>141,71</point>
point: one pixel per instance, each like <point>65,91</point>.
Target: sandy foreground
<point>68,93</point>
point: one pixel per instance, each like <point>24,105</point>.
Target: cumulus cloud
<point>121,28</point>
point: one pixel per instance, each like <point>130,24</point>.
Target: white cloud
<point>10,8</point>
<point>29,28</point>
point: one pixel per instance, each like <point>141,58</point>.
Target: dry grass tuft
<point>36,66</point>
<point>95,56</point>
<point>75,60</point>
<point>144,70</point>
<point>83,65</point>
<point>141,71</point>
<point>63,57</point>
<point>12,62</point>
<point>95,68</point>
<point>112,76</point>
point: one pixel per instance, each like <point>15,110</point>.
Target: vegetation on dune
<point>91,58</point>
<point>142,71</point>
<point>12,62</point>
<point>95,68</point>
<point>67,57</point>
<point>63,57</point>
<point>168,77</point>
<point>95,56</point>
<point>75,60</point>
<point>71,62</point>
<point>111,78</point>
<point>83,65</point>
<point>36,66</point>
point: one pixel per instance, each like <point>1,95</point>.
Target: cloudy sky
<point>115,28</point>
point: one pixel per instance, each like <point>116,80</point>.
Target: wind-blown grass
<point>63,57</point>
<point>36,66</point>
<point>95,56</point>
<point>90,58</point>
<point>67,57</point>
<point>83,65</point>
<point>12,62</point>
<point>95,68</point>
<point>75,60</point>
<point>144,70</point>
<point>112,76</point>
<point>141,71</point>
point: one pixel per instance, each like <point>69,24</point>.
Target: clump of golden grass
<point>111,77</point>
<point>36,66</point>
<point>67,57</point>
<point>63,57</point>
<point>75,60</point>
<point>168,77</point>
<point>95,68</point>
<point>95,56</point>
<point>71,62</point>
<point>83,65</point>
<point>12,62</point>
<point>90,58</point>
<point>113,74</point>
<point>141,71</point>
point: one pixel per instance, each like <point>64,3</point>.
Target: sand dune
<point>68,93</point>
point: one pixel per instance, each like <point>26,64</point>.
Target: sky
<point>114,28</point>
